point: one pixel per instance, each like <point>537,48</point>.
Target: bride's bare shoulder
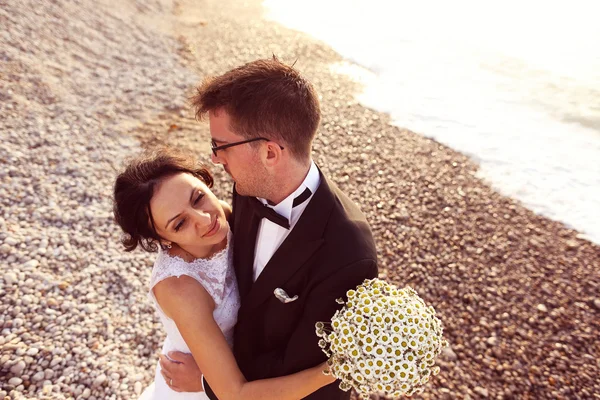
<point>175,293</point>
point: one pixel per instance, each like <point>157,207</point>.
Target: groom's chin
<point>240,190</point>
<point>243,191</point>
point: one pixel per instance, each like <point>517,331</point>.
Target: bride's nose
<point>203,218</point>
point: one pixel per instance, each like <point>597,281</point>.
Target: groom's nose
<point>219,160</point>
<point>216,159</point>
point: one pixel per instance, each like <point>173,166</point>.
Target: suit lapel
<point>302,242</point>
<point>244,244</point>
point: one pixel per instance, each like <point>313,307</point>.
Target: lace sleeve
<point>210,273</point>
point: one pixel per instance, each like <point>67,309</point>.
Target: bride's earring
<point>169,246</point>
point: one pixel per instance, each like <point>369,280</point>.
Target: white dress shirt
<point>270,235</point>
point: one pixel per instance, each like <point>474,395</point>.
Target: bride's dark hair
<point>135,187</point>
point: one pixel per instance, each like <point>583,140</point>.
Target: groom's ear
<point>273,154</point>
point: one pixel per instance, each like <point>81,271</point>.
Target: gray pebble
<point>99,380</point>
<point>14,381</point>
<point>38,376</point>
<point>11,241</point>
<point>10,278</point>
<point>18,368</point>
<point>542,308</point>
<point>448,354</point>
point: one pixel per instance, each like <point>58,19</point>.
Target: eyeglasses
<point>216,148</point>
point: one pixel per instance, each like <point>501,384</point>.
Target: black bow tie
<point>264,211</point>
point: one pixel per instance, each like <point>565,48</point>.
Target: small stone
<point>11,241</point>
<point>10,278</point>
<point>100,379</point>
<point>446,394</point>
<point>18,368</point>
<point>492,341</point>
<point>572,244</point>
<point>47,389</point>
<point>542,308</point>
<point>15,381</point>
<point>5,249</point>
<point>449,354</point>
<point>38,376</point>
<point>481,391</point>
<point>55,361</point>
<point>90,308</point>
<point>86,393</point>
<point>31,264</point>
<point>137,388</point>
<point>596,304</point>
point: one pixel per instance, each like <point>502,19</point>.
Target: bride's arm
<point>186,302</point>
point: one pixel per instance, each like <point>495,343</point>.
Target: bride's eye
<point>179,225</point>
<point>200,196</point>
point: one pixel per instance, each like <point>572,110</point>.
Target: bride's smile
<point>195,222</point>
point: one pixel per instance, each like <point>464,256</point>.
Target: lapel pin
<point>283,297</point>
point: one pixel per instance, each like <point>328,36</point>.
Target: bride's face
<point>187,213</point>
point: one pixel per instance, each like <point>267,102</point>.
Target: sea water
<point>515,85</point>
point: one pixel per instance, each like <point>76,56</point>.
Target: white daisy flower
<point>383,339</point>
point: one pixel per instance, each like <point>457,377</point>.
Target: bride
<point>163,202</point>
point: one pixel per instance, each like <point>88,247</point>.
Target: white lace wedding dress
<point>217,276</point>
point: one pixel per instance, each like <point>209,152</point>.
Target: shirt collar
<point>311,181</point>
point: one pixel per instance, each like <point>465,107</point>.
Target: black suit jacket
<point>329,251</point>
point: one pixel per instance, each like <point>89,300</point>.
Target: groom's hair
<point>135,187</point>
<point>264,98</point>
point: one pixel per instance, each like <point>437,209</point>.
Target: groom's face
<point>241,162</point>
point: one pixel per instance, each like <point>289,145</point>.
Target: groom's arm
<point>302,350</point>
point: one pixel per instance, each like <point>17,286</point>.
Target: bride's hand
<point>181,372</point>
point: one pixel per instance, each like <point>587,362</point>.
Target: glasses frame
<point>215,148</point>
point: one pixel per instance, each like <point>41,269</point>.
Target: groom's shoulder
<point>348,227</point>
<point>344,209</point>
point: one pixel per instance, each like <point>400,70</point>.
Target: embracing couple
<point>239,289</point>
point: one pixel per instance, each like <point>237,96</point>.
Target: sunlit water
<point>514,85</point>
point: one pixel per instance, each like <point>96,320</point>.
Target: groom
<point>298,242</point>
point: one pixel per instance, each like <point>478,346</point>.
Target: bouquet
<point>384,339</point>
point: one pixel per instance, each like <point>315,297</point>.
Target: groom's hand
<point>181,372</point>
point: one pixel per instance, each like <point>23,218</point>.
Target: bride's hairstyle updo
<point>135,187</point>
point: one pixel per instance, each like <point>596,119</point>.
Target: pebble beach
<point>86,85</point>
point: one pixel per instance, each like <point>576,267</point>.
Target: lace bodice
<point>215,274</point>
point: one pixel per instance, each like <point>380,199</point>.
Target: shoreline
<point>480,98</point>
<point>519,295</point>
